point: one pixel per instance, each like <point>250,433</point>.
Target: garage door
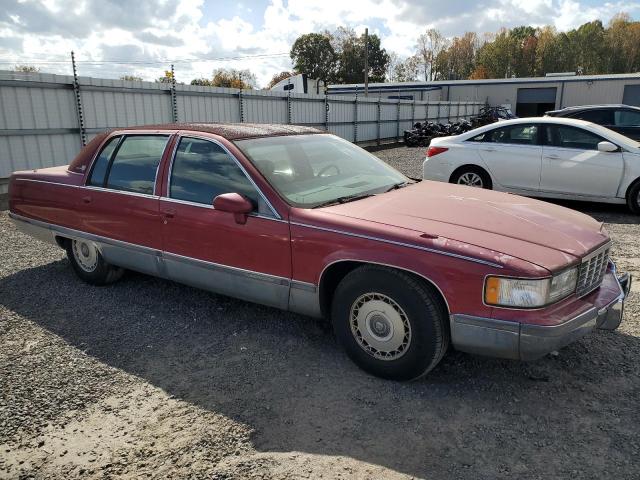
<point>537,95</point>
<point>631,95</point>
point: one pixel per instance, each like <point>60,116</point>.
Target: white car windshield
<point>319,169</point>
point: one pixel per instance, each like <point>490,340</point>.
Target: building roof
<point>395,86</point>
<point>233,131</point>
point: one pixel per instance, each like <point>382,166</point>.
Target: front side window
<point>571,137</point>
<point>526,134</point>
<point>627,118</point>
<point>600,117</point>
<point>133,169</point>
<point>202,170</point>
<point>311,170</point>
<point>101,163</point>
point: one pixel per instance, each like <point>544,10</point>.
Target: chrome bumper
<point>519,341</point>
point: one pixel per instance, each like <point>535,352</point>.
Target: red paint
<point>525,237</point>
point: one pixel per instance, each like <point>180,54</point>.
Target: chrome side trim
<point>250,285</point>
<point>232,156</point>
<point>264,277</point>
<point>400,244</point>
<point>89,187</point>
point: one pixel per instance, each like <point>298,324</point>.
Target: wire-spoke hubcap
<point>380,326</point>
<point>86,255</point>
<point>471,179</point>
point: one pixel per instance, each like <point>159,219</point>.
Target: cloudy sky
<point>200,35</point>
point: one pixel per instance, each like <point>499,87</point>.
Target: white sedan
<point>542,157</point>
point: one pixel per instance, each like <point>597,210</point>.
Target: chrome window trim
<point>232,156</point>
<point>123,137</point>
<point>211,207</point>
<point>400,244</point>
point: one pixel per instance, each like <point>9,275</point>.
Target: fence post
<point>398,121</point>
<point>438,113</point>
<point>174,102</point>
<point>79,110</point>
<point>326,111</point>
<point>355,119</point>
<point>378,123</point>
<point>289,105</point>
<point>413,112</point>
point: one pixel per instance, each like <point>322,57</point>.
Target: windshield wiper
<point>396,186</point>
<point>344,199</point>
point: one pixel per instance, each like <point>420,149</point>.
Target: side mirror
<point>607,147</point>
<point>234,203</point>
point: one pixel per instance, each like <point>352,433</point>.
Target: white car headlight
<point>529,293</point>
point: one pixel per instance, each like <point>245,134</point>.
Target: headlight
<point>529,293</point>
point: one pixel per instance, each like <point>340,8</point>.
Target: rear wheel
<point>472,177</point>
<point>391,324</point>
<point>633,198</point>
<point>89,265</point>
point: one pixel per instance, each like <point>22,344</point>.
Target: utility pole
<point>366,62</point>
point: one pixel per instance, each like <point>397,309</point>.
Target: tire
<point>390,324</point>
<point>472,177</point>
<point>633,198</point>
<point>89,265</point>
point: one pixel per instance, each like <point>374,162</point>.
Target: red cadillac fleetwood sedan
<point>302,220</point>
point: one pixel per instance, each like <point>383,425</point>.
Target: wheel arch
<point>472,166</point>
<point>335,271</point>
<point>631,185</point>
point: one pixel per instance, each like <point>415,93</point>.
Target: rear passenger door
<point>207,248</point>
<point>513,155</point>
<point>120,203</point>
<point>571,163</point>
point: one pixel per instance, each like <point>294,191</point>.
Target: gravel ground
<point>148,378</point>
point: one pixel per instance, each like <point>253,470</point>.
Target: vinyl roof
<point>234,131</point>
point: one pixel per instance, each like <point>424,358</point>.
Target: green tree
<point>428,47</point>
<point>278,77</point>
<point>351,60</point>
<point>166,78</point>
<point>232,78</point>
<point>26,69</point>
<point>202,82</point>
<point>131,78</point>
<point>314,55</point>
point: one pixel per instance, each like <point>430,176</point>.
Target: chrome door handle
<point>553,156</point>
<point>488,149</point>
<point>86,199</point>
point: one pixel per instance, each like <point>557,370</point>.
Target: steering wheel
<point>327,168</point>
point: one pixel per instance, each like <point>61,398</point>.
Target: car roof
<point>232,131</point>
<point>609,106</point>
<point>603,131</point>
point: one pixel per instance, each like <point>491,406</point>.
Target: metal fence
<point>45,118</point>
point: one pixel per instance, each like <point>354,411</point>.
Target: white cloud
<point>176,30</point>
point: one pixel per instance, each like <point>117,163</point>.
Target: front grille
<point>592,270</point>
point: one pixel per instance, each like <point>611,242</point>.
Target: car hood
<point>538,232</point>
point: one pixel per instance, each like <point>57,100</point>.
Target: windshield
<point>313,170</point>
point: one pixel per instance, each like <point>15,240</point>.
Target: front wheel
<point>472,177</point>
<point>89,265</point>
<point>391,324</point>
<point>633,198</point>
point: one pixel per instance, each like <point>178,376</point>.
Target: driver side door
<point>208,248</point>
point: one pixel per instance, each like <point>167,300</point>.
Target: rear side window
<point>627,118</point>
<point>202,170</point>
<point>600,117</point>
<point>101,163</point>
<point>134,167</point>
<point>572,137</point>
<point>526,134</point>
